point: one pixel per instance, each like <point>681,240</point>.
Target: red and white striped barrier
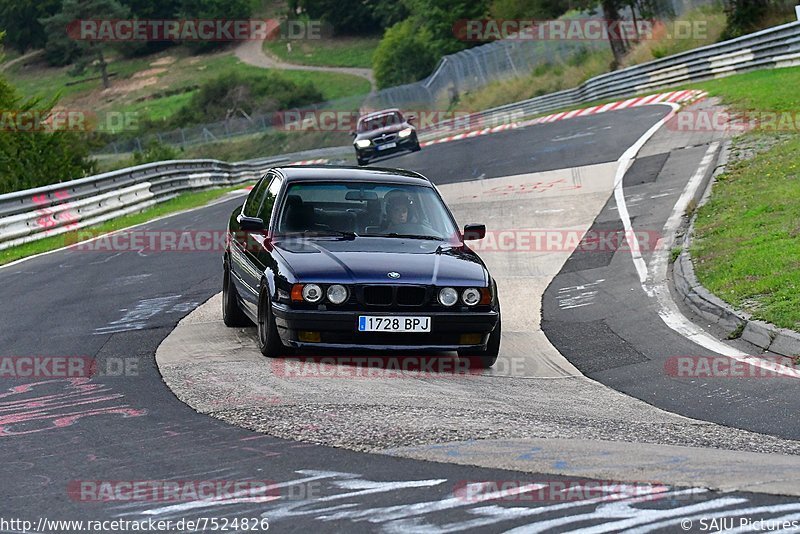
<point>310,162</point>
<point>678,97</point>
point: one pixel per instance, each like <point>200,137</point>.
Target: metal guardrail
<point>771,48</point>
<point>36,213</point>
<point>55,209</point>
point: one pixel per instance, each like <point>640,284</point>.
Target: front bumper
<point>403,145</point>
<point>339,329</point>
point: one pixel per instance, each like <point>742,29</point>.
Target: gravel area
<point>374,428</point>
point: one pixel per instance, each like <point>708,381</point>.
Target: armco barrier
<point>37,213</point>
<point>771,48</point>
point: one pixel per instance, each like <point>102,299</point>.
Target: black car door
<point>256,247</point>
<point>241,267</point>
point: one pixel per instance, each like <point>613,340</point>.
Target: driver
<point>398,212</point>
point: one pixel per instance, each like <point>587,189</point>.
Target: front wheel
<point>268,341</point>
<point>484,358</point>
<point>361,161</point>
<point>232,314</point>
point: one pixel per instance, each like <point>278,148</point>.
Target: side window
<point>265,213</point>
<point>255,197</point>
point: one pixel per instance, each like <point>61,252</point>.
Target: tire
<point>361,161</point>
<point>268,341</point>
<point>484,358</point>
<point>416,148</point>
<point>232,314</point>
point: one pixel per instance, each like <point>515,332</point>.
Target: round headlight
<point>312,293</point>
<point>337,294</point>
<point>471,296</point>
<point>448,296</point>
<point>363,143</point>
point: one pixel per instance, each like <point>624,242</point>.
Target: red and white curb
<point>677,97</point>
<point>310,162</point>
<point>320,161</point>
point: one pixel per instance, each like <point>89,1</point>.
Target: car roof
<point>374,114</point>
<point>344,173</point>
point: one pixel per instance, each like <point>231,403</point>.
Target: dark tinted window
<point>265,212</point>
<point>380,121</point>
<point>251,206</point>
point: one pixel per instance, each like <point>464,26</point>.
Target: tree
<point>67,48</point>
<point>213,10</point>
<point>744,16</point>
<point>404,55</point>
<point>352,17</point>
<point>527,9</point>
<point>36,158</point>
<point>439,17</point>
<point>20,20</point>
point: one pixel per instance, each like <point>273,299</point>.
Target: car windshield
<point>364,209</point>
<point>380,121</point>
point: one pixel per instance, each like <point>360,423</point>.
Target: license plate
<point>393,323</point>
<point>387,145</point>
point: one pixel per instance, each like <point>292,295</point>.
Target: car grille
<point>385,138</point>
<point>388,295</point>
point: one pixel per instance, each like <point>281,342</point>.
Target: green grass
<point>180,203</point>
<point>763,90</point>
<point>167,89</point>
<point>340,52</point>
<point>49,82</point>
<point>747,237</point>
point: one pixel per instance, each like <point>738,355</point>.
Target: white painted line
<point>619,195</point>
<point>656,284</point>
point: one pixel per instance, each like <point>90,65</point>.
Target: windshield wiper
<point>413,236</point>
<point>324,233</point>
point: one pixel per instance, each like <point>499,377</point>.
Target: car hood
<point>392,128</point>
<point>369,260</point>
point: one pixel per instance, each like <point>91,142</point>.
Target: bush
<point>403,55</point>
<point>154,151</point>
<point>236,95</point>
<point>36,158</point>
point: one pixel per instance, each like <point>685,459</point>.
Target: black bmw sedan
<point>356,258</point>
<point>382,133</point>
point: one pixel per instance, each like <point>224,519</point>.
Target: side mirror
<point>473,232</point>
<point>411,119</point>
<point>353,133</point>
<point>250,224</point>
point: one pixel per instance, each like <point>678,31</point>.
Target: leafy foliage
<point>404,55</point>
<point>36,158</point>
<point>20,20</point>
<point>62,48</point>
<point>354,17</point>
<point>239,95</point>
<point>154,151</point>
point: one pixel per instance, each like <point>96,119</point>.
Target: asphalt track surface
<point>618,338</point>
<point>118,306</point>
